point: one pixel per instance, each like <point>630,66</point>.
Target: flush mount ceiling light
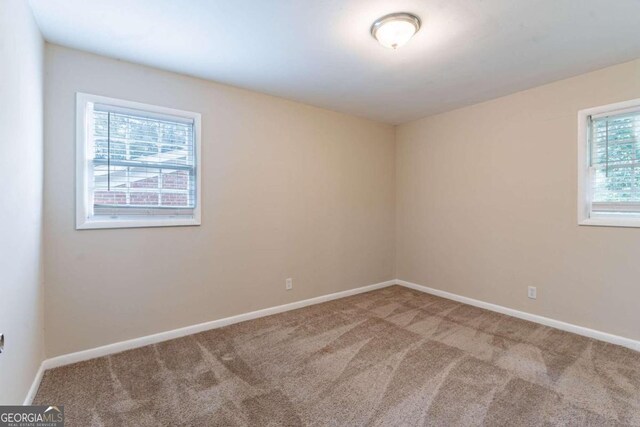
<point>395,29</point>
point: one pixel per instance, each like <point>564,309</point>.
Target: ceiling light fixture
<point>395,29</point>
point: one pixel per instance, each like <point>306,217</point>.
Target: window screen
<point>143,164</point>
<point>615,162</point>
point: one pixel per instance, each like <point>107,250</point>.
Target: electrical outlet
<point>532,292</point>
<point>1,343</point>
<point>289,284</point>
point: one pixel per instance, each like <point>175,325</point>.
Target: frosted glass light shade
<point>395,30</point>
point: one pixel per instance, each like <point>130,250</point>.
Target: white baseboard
<point>568,327</point>
<point>34,385</point>
<point>118,347</point>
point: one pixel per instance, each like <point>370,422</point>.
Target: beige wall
<point>486,206</point>
<point>484,202</point>
<point>21,319</point>
<point>288,191</point>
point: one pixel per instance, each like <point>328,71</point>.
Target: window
<point>609,168</point>
<point>137,164</point>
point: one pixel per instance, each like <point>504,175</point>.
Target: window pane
<point>615,158</point>
<point>110,198</point>
<point>178,180</point>
<point>142,161</point>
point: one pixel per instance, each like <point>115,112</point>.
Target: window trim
<point>585,215</point>
<point>83,220</point>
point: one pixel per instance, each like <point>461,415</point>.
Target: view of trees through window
<point>615,157</point>
<point>141,161</point>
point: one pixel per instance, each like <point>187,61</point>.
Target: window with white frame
<point>137,164</point>
<point>609,150</point>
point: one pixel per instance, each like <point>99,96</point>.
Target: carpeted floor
<point>389,357</point>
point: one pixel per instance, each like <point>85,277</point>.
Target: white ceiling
<point>320,52</point>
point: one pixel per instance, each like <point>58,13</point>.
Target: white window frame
<point>585,215</point>
<point>84,218</point>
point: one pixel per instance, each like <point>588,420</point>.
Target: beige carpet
<point>389,357</point>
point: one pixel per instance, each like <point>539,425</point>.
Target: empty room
<point>319,213</point>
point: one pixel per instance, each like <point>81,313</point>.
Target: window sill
<point>93,224</point>
<point>611,222</point>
